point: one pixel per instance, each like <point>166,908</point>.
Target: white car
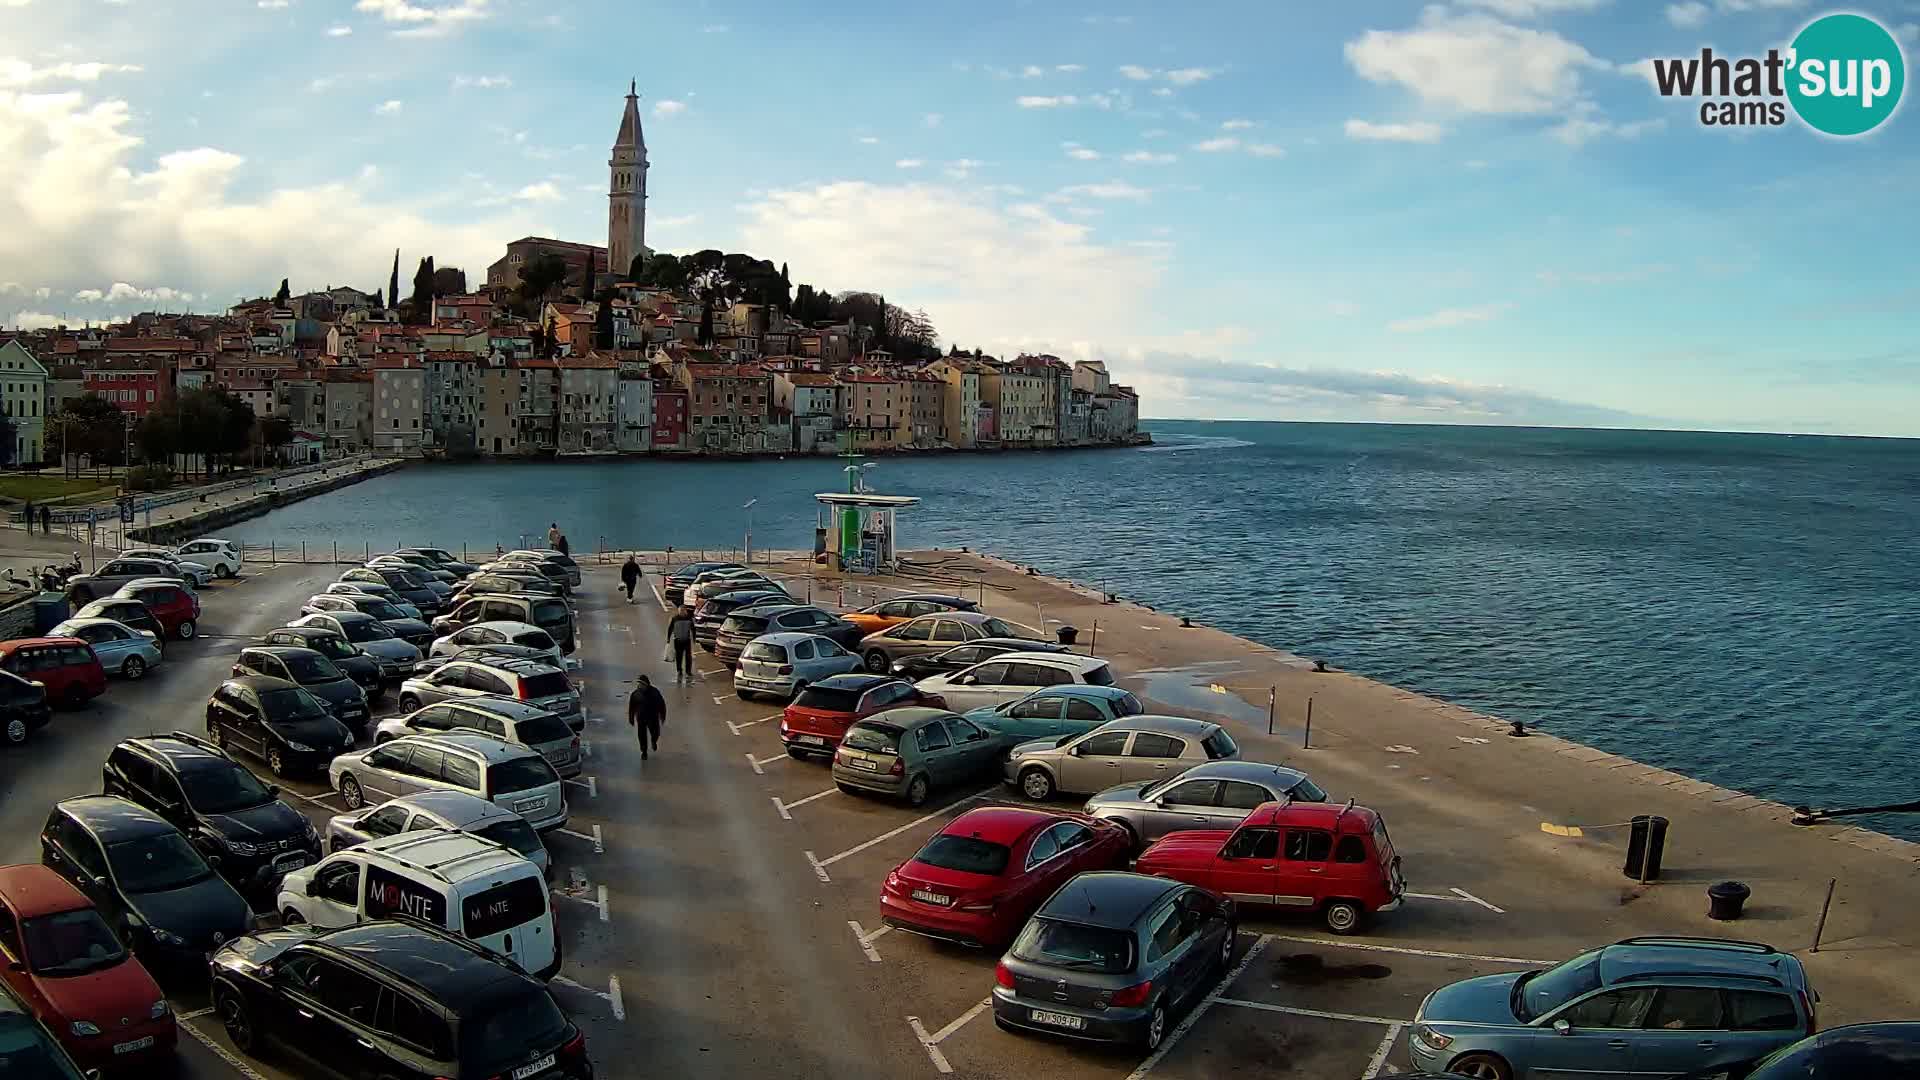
<point>222,555</point>
<point>199,572</point>
<point>502,632</point>
<point>1012,676</point>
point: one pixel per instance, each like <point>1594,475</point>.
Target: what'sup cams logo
<point>1842,75</point>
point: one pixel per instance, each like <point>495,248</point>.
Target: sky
<point>1471,212</point>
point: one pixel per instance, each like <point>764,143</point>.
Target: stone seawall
<point>186,526</point>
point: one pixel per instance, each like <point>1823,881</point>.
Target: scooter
<point>54,578</point>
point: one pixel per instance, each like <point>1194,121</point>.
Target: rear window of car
<point>744,624</point>
<point>511,1032</point>
<point>366,631</point>
<point>1073,945</point>
<point>520,774</point>
<point>503,907</point>
<point>828,699</point>
<point>549,612</point>
<point>513,832</point>
<point>1099,676</point>
<point>1127,705</point>
<point>761,650</point>
<point>873,738</point>
<point>965,855</point>
<point>545,684</point>
<point>1307,791</point>
<point>1220,745</point>
<point>543,729</point>
<point>534,639</point>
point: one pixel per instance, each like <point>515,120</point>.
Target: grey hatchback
<point>907,753</point>
<point>1216,795</point>
<point>1111,956</point>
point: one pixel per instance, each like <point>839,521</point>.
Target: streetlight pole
<point>746,548</point>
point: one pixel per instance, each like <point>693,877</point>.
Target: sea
<point>1740,608</point>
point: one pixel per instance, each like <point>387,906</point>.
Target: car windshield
<point>378,608</point>
<point>1098,676</point>
<point>366,631</point>
<point>25,1052</point>
<point>828,699</point>
<point>70,943</point>
<point>996,628</point>
<point>1539,993</point>
<point>744,624</point>
<point>156,863</point>
<point>1127,705</point>
<point>965,855</point>
<point>521,774</point>
<point>515,833</point>
<point>1307,791</point>
<point>311,669</point>
<point>331,647</point>
<point>511,1032</point>
<point>1073,945</point>
<point>223,790</point>
<point>398,578</point>
<point>765,650</point>
<point>873,738</point>
<point>534,639</point>
<point>545,684</point>
<point>544,729</point>
<point>292,703</point>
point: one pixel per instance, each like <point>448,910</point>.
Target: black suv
<point>23,708</point>
<point>315,673</point>
<point>161,898</point>
<point>393,999</point>
<point>278,722</point>
<point>233,819</point>
<point>348,657</point>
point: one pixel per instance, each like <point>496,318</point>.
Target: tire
<point>847,789</point>
<point>185,630</point>
<point>1226,948</point>
<point>917,791</point>
<point>742,694</point>
<point>1156,1032</point>
<point>276,762</point>
<point>796,753</point>
<point>351,794</point>
<point>133,668</point>
<point>1481,1066</point>
<point>876,662</point>
<point>290,917</point>
<point>798,689</point>
<point>1035,784</point>
<point>1343,916</point>
<point>16,731</point>
<point>235,1017</point>
<point>409,703</point>
<point>223,571</point>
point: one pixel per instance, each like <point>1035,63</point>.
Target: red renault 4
<point>65,666</point>
<point>822,712</point>
<point>1323,857</point>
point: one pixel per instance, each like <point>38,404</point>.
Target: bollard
<point>1306,737</point>
<point>273,552</point>
<point>1725,900</point>
<point>336,551</point>
<point>1646,841</point>
<point>1821,926</point>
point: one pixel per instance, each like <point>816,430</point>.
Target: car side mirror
<point>213,861</point>
<point>966,680</point>
<point>1562,1027</point>
<point>274,790</point>
<point>99,881</point>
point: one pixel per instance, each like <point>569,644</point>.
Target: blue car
<point>1066,709</point>
<point>122,650</point>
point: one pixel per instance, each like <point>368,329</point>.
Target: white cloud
<point>544,191</point>
<point>1189,76</point>
<point>1148,157</point>
<point>1112,189</point>
<point>482,82</point>
<point>31,320</point>
<point>1533,9</point>
<point>1069,69</point>
<point>1080,153</point>
<point>272,5</point>
<point>1163,91</point>
<point>425,20</point>
<point>1419,131</point>
<point>669,107</point>
<point>1688,15</point>
<point>1587,122</point>
<point>715,28</point>
<point>868,140</point>
<point>962,168</point>
<point>1448,318</point>
<point>1474,62</point>
<point>1032,71</point>
<point>388,107</point>
<point>1641,69</point>
<point>1136,72</point>
<point>121,292</point>
<point>339,31</point>
<point>679,222</point>
<point>931,120</point>
<point>1236,125</point>
<point>1215,146</point>
<point>1265,150</point>
<point>1735,7</point>
<point>1039,102</point>
<point>909,163</point>
<point>16,73</point>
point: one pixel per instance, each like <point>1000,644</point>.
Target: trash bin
<point>1725,900</point>
<point>50,609</point>
<point>1645,843</point>
<point>1068,634</point>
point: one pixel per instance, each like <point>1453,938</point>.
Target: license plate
<point>810,740</point>
<point>292,861</point>
<point>862,763</point>
<point>924,896</point>
<point>540,1066</point>
<point>526,805</point>
<point>130,1047</point>
<point>1059,1020</point>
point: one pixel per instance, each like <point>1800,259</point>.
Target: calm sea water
<point>1741,608</point>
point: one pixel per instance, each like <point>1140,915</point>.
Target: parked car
<point>276,721</point>
<point>429,665</point>
<point>86,588</point>
<point>1889,1048</point>
<point>546,612</point>
<point>65,666</point>
<point>451,880</point>
<point>1136,749</point>
<point>157,893</point>
<point>23,707</point>
<point>537,641</point>
<point>467,1013</point>
<point>535,682</point>
<point>919,665</point>
<point>706,624</point>
<point>891,613</point>
<point>504,583</point>
<point>1320,857</point>
<point>1012,676</point>
<point>419,567</point>
<point>174,606</point>
<point>980,879</point>
<point>383,592</point>
<point>719,581</point>
<point>395,655</point>
<point>440,810</point>
<point>411,589</point>
<point>28,1048</point>
<point>224,556</point>
<point>1651,1006</point>
<point>818,717</point>
<point>551,557</point>
<point>1215,795</point>
<point>239,824</point>
<point>361,666</point>
<point>61,959</point>
<point>121,649</point>
<point>515,777</point>
<point>929,634</point>
<point>126,612</point>
<point>197,573</point>
<point>673,586</point>
<point>1112,957</point>
<point>504,718</point>
<point>747,624</point>
<point>438,582</point>
<point>319,676</point>
<point>553,573</point>
<point>442,558</point>
<point>413,631</point>
<point>782,665</point>
<point>907,753</point>
<point>1068,709</point>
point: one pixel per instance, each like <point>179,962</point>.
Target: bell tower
<point>627,190</point>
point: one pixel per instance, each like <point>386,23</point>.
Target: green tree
<point>9,441</point>
<point>637,270</point>
<point>280,298</point>
<point>539,277</point>
<point>420,304</point>
<point>378,301</point>
<point>664,272</point>
<point>393,283</point>
<point>546,344</point>
<point>449,281</point>
<point>603,321</point>
<point>158,434</point>
<point>94,426</point>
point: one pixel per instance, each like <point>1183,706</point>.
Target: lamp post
<point>746,547</point>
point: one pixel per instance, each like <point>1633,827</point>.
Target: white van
<point>455,880</point>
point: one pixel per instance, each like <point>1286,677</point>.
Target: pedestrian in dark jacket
<point>562,545</point>
<point>46,520</point>
<point>647,713</point>
<point>29,517</point>
<point>680,634</point>
<point>630,577</point>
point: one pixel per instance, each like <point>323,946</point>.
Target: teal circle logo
<point>1846,73</point>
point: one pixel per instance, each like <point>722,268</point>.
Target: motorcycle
<point>54,578</point>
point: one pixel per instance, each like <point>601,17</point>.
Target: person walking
<point>46,520</point>
<point>561,547</point>
<point>29,517</point>
<point>630,576</point>
<point>647,713</point>
<point>553,536</point>
<point>680,633</point>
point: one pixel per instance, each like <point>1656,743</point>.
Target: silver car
<point>1217,795</point>
<point>440,810</point>
<point>514,777</point>
<point>564,561</point>
<point>367,588</point>
<point>781,665</point>
<point>537,683</point>
<point>536,640</point>
<point>198,572</point>
<point>1134,749</point>
<point>503,718</point>
<point>122,650</point>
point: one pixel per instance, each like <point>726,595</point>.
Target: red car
<point>173,604</point>
<point>62,960</point>
<point>65,666</point>
<point>820,716</point>
<point>1302,856</point>
<point>990,869</point>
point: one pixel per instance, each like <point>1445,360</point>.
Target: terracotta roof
<point>394,361</point>
<point>811,378</point>
<point>726,371</point>
<point>590,362</point>
<point>140,344</point>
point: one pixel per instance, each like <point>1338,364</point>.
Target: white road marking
<point>603,902</point>
<point>708,674</point>
<point>780,808</point>
<point>891,833</point>
<point>1316,1013</point>
<point>1404,951</point>
<point>758,762</point>
<point>612,629</point>
<point>735,727</point>
<point>195,1014</point>
<point>818,870</point>
<point>1174,1036</point>
<point>614,999</point>
<point>933,1050</point>
<point>588,782</point>
<point>664,606</point>
<point>599,845</point>
<point>1144,626</point>
<point>719,700</point>
<point>224,1054</point>
<point>1379,1059</point>
<point>784,807</point>
<point>979,1007</point>
<point>586,749</point>
<point>316,799</point>
<point>1470,898</point>
<point>866,939</point>
<point>751,760</point>
<point>1399,749</point>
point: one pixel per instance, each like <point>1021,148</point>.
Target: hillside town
<point>567,350</point>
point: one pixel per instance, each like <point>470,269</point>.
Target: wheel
<point>846,789</point>
<point>351,794</point>
<point>1035,784</point>
<point>876,662</point>
<point>16,731</point>
<point>796,753</point>
<point>291,917</point>
<point>223,571</point>
<point>1482,1067</point>
<point>1343,916</point>
<point>742,694</point>
<point>133,668</point>
<point>235,1018</point>
<point>917,791</point>
<point>276,762</point>
<point>185,630</point>
<point>1226,948</point>
<point>409,702</point>
<point>76,697</point>
<point>798,689</point>
<point>1156,1026</point>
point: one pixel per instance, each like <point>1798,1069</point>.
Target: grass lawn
<point>23,486</point>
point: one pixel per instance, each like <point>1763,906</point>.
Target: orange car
<point>901,608</point>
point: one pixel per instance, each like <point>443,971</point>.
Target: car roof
<point>788,637</point>
<point>281,650</point>
<point>1015,642</point>
<point>454,972</point>
<point>260,684</point>
<point>857,681</point>
<point>1003,825</point>
<point>304,631</point>
<point>31,889</point>
<point>1708,958</point>
<point>90,620</point>
<point>505,626</point>
<point>1070,661</point>
<point>447,854</point>
<point>1333,817</point>
<point>152,582</point>
<point>518,665</point>
<point>1257,771</point>
<point>345,617</point>
<point>180,753</point>
<point>1088,690</point>
<point>1165,725</point>
<point>111,814</point>
<point>1113,899</point>
<point>492,749</point>
<point>499,705</point>
<point>457,807</point>
<point>906,718</point>
<point>208,540</point>
<point>18,643</point>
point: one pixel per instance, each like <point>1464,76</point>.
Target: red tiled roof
<point>810,378</point>
<point>589,362</point>
<point>394,361</point>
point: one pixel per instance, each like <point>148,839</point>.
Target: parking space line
<point>1317,1013</point>
<point>195,1014</point>
<point>223,1053</point>
<point>867,938</point>
<point>664,606</point>
<point>979,1007</point>
<point>758,762</point>
<point>1379,1058</point>
<point>588,782</point>
<point>599,846</point>
<point>735,727</point>
<point>784,807</point>
<point>891,833</point>
<point>614,999</point>
<point>719,699</point>
<point>818,870</point>
<point>1470,898</point>
<point>1404,951</point>
<point>602,896</point>
<point>1193,1017</point>
<point>932,1048</point>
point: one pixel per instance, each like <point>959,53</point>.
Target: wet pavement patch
<point>1310,969</point>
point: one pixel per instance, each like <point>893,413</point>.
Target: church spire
<point>630,133</point>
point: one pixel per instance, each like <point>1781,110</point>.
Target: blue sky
<point>1475,212</point>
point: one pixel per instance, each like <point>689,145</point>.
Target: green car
<point>1066,709</point>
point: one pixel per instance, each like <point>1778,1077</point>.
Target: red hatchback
<point>175,606</point>
<point>820,716</point>
<point>990,869</point>
<point>65,666</point>
<point>62,960</point>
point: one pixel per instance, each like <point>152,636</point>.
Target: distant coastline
<point>1142,438</point>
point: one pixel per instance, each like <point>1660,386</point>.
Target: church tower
<point>627,192</point>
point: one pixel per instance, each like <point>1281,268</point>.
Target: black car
<point>162,899</point>
<point>915,668</point>
<point>315,673</point>
<point>23,708</point>
<point>348,657</point>
<point>29,1050</point>
<point>127,612</point>
<point>1853,1052</point>
<point>442,558</point>
<point>1112,957</point>
<point>393,999</point>
<point>278,722</point>
<point>230,817</point>
<point>673,587</point>
<point>706,622</point>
